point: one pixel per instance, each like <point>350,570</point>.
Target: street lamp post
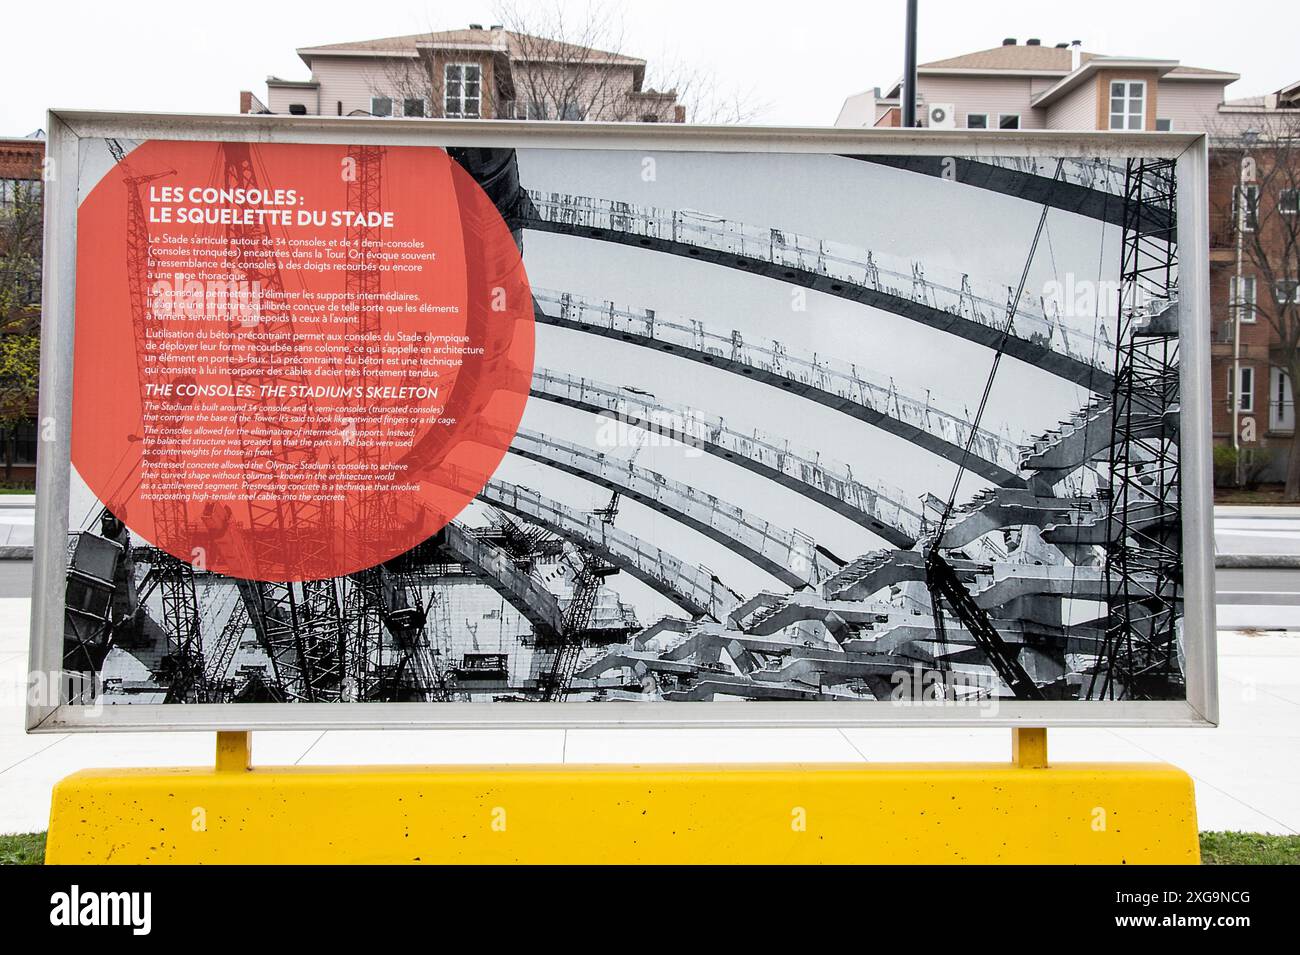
<point>907,107</point>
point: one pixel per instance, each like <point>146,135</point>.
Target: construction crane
<point>593,570</point>
<point>940,577</point>
<point>524,543</point>
<point>392,594</point>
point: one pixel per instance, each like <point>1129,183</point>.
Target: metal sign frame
<point>67,129</point>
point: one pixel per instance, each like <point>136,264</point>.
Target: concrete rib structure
<point>788,555</point>
<point>1009,582</point>
<point>840,617</point>
<point>792,678</point>
<point>899,287</point>
<point>853,390</point>
<point>1086,187</point>
<point>873,572</point>
<point>999,508</point>
<point>1065,449</point>
<point>878,507</point>
<point>918,637</point>
<point>693,588</point>
<point>503,574</point>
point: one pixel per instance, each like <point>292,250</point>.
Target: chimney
<point>1033,41</point>
<point>1076,59</point>
<point>1009,41</point>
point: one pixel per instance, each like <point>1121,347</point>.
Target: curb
<point>1257,561</point>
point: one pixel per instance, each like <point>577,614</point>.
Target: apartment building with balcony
<point>1031,85</point>
<point>475,73</point>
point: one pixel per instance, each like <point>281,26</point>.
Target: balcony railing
<point>1223,231</point>
<point>1224,332</point>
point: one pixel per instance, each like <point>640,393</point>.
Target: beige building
<point>1032,86</point>
<point>475,73</point>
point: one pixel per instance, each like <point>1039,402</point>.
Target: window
<point>1281,403</point>
<point>1288,202</point>
<point>535,109</point>
<point>462,95</point>
<point>415,106</point>
<point>1286,291</point>
<point>1164,125</point>
<point>381,106</point>
<point>16,191</point>
<point>1128,104</point>
<point>1247,389</point>
<point>24,442</point>
<point>977,120</point>
<point>1241,295</point>
<point>570,111</point>
<point>1009,121</point>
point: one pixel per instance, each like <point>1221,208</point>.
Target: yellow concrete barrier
<point>842,813</point>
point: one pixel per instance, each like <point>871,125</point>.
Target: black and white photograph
<point>801,427</point>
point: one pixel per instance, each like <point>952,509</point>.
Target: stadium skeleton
<point>1087,511</point>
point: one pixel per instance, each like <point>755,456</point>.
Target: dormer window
<point>1128,104</point>
<point>462,90</point>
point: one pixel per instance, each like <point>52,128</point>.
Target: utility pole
<point>907,107</point>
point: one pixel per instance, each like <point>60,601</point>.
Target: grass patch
<point>1264,494</point>
<point>25,848</point>
<point>1217,848</point>
<point>1249,848</point>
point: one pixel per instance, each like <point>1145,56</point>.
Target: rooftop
<point>1036,58</point>
<point>521,47</point>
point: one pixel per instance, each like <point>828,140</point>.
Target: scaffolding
<point>1143,568</point>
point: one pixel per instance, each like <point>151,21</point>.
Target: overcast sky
<point>800,60</point>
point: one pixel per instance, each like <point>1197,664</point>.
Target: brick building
<point>1254,227</point>
<point>21,193</point>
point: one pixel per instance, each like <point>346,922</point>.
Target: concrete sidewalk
<point>1247,771</point>
<point>1271,530</point>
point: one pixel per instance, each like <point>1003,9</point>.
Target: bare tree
<point>21,222</point>
<point>558,65</point>
<point>1263,212</point>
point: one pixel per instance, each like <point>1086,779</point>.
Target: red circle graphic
<point>292,361</point>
